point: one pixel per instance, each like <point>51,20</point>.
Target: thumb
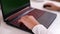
<point>19,21</point>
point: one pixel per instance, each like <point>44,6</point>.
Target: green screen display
<point>9,5</point>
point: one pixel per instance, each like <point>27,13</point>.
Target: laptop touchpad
<point>47,19</point>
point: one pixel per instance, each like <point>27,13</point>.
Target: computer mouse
<point>46,6</point>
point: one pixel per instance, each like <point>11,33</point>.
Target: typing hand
<point>29,21</point>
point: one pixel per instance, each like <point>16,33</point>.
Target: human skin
<point>29,21</point>
<point>53,7</point>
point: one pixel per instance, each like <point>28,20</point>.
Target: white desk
<point>55,27</point>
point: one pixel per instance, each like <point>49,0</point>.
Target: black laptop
<point>13,10</point>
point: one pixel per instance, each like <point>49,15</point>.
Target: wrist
<point>33,25</point>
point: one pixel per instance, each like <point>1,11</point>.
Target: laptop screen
<point>10,6</point>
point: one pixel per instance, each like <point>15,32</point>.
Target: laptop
<point>13,10</point>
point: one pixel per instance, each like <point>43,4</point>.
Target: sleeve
<point>40,29</point>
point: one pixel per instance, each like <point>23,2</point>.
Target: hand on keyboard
<point>29,21</point>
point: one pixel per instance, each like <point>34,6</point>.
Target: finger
<point>27,17</point>
<point>22,18</point>
<point>19,20</point>
<point>49,3</point>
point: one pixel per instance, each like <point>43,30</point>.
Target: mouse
<point>46,6</point>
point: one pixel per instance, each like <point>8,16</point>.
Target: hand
<point>51,6</point>
<point>29,21</point>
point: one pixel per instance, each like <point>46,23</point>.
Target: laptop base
<point>43,17</point>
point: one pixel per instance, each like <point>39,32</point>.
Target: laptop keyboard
<point>43,17</point>
<point>36,13</point>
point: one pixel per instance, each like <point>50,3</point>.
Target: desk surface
<point>55,26</point>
